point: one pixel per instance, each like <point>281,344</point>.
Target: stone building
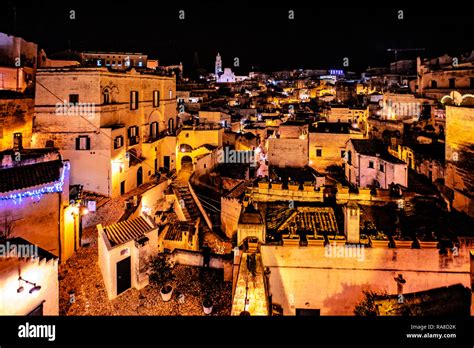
<point>34,191</point>
<point>327,143</point>
<point>439,76</point>
<point>16,120</point>
<point>124,249</point>
<point>28,284</point>
<point>460,157</point>
<point>116,128</point>
<point>369,164</point>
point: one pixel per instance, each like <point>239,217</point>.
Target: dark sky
<point>259,35</point>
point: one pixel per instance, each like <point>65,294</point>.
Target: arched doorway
<point>139,176</point>
<point>186,163</point>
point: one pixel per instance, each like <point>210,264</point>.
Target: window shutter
<point>78,143</point>
<point>88,143</point>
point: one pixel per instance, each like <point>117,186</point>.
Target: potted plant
<point>293,186</point>
<point>277,185</point>
<point>160,274</point>
<point>308,186</point>
<point>263,184</point>
<point>207,305</point>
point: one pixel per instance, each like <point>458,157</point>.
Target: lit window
<point>106,96</point>
<point>118,142</point>
<point>156,99</point>
<point>83,142</point>
<point>133,100</point>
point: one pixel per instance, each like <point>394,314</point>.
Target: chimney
<point>351,222</point>
<point>17,142</point>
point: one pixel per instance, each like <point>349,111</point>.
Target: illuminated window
<point>133,100</point>
<point>118,142</point>
<point>156,99</point>
<point>106,95</point>
<point>153,129</point>
<point>83,142</point>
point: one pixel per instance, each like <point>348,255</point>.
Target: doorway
<point>166,163</point>
<point>139,176</point>
<point>124,279</point>
<point>122,188</point>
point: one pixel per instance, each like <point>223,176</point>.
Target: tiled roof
<point>251,216</point>
<point>127,230</point>
<point>175,230</point>
<point>22,177</point>
<point>374,148</point>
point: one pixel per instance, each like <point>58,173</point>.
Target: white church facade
<point>225,75</point>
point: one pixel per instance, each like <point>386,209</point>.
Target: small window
<point>319,152</point>
<point>106,96</point>
<point>118,142</point>
<point>343,153</point>
<point>381,168</point>
<point>83,142</point>
<point>133,100</point>
<point>434,84</point>
<point>74,98</point>
<point>371,164</point>
<point>133,131</point>
<point>472,81</point>
<point>156,99</point>
<point>452,83</point>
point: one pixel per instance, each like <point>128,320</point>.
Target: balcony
<point>160,135</point>
<point>133,140</point>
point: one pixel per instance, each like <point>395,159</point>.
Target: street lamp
<point>34,289</point>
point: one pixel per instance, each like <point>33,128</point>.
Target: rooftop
<point>374,148</point>
<point>331,127</point>
<point>127,230</point>
<point>17,178</point>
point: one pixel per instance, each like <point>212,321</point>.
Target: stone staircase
<point>191,210</point>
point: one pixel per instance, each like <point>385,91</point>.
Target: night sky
<point>258,35</point>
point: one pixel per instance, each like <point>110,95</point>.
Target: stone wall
<point>16,116</point>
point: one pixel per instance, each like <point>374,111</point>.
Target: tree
<point>366,307</point>
<point>160,270</point>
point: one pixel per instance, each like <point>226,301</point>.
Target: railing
<point>133,140</point>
